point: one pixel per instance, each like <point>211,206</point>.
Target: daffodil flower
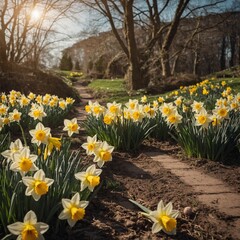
<point>103,154</point>
<point>15,115</point>
<point>15,147</point>
<point>37,185</point>
<point>164,218</point>
<point>71,126</point>
<point>74,209</point>
<point>91,145</point>
<point>90,178</point>
<point>23,161</point>
<point>202,119</point>
<point>51,143</point>
<point>37,112</point>
<point>29,229</point>
<point>40,134</point>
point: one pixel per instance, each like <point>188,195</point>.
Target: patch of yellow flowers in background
<point>15,105</point>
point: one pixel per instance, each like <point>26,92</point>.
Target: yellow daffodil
<point>37,112</point>
<point>197,106</point>
<point>51,143</point>
<point>3,109</point>
<point>31,96</point>
<point>40,134</point>
<point>29,229</point>
<point>6,121</point>
<point>15,147</point>
<point>160,99</point>
<point>23,161</point>
<point>166,109</point>
<point>164,218</point>
<point>23,101</point>
<point>174,118</point>
<point>137,114</point>
<point>38,99</point>
<point>97,109</point>
<point>108,119</point>
<point>91,145</point>
<point>221,112</point>
<point>132,104</point>
<point>155,104</point>
<point>71,126</point>
<point>178,101</point>
<point>62,104</point>
<point>103,154</point>
<point>70,100</point>
<point>114,108</point>
<point>73,209</point>
<point>37,185</point>
<point>144,99</point>
<point>202,118</point>
<point>90,178</point>
<point>15,116</point>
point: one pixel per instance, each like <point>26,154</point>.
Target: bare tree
<point>158,31</point>
<point>23,37</point>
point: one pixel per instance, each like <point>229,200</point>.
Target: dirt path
<point>152,176</point>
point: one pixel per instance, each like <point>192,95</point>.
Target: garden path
<point>209,190</point>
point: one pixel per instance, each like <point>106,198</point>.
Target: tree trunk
<point>164,57</point>
<point>195,63</point>
<point>233,48</point>
<point>223,57</point>
<point>3,52</point>
<point>134,75</point>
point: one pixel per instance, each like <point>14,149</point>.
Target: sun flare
<point>35,14</point>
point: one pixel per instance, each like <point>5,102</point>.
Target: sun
<point>35,14</point>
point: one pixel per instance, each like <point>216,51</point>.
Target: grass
<point>108,90</point>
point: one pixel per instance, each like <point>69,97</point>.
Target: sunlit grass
<point>115,90</point>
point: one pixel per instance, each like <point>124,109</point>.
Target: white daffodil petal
<point>71,222</point>
<point>64,214</point>
<point>76,198</point>
<point>156,227</point>
<point>168,208</point>
<point>83,204</point>
<point>15,228</point>
<point>30,217</point>
<point>41,227</point>
<point>66,203</point>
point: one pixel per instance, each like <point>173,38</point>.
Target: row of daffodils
<point>43,182</point>
<point>16,108</point>
<point>204,119</point>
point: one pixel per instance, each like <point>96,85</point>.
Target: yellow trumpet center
<point>29,232</point>
<point>169,223</point>
<point>40,135</point>
<point>91,146</point>
<point>113,109</point>
<point>172,119</point>
<point>105,155</point>
<point>40,187</point>
<point>73,127</point>
<point>25,164</point>
<point>93,180</point>
<point>77,213</point>
<point>36,113</point>
<point>202,119</point>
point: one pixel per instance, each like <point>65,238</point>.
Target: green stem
<point>23,135</point>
